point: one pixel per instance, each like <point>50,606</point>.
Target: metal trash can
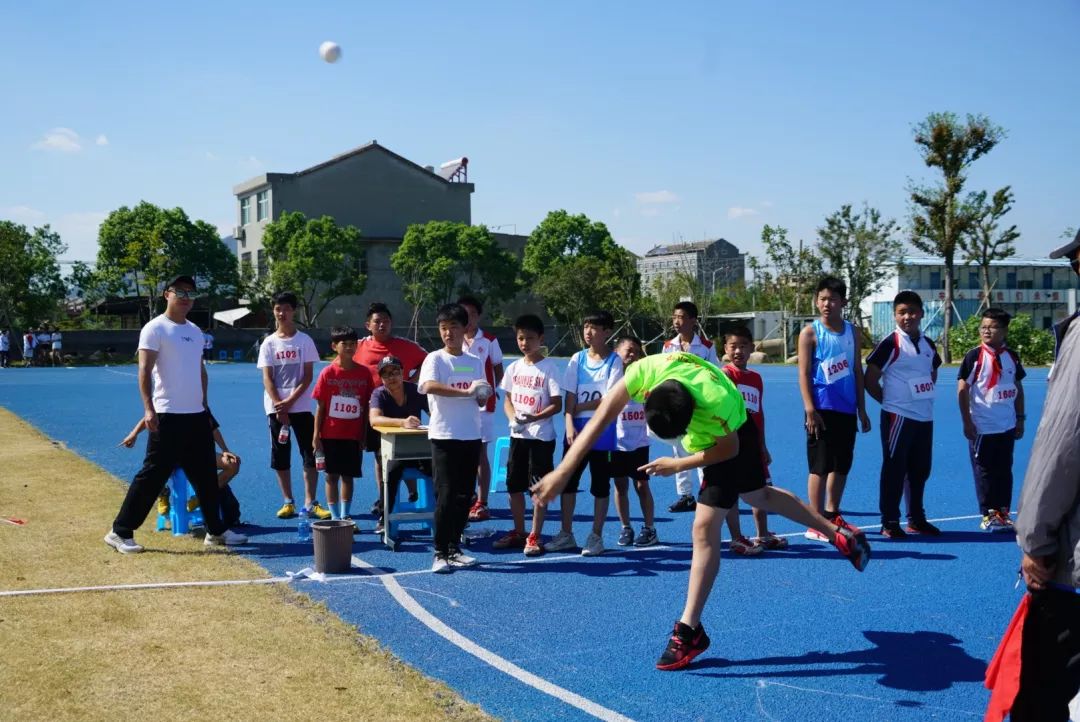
<point>333,545</point>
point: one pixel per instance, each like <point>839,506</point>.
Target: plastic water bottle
<point>320,461</point>
<point>283,435</point>
<point>303,528</point>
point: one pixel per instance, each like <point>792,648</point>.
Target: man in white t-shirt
<point>172,383</point>
<point>57,347</point>
<point>208,344</point>
<point>287,359</point>
<point>5,348</point>
<point>485,347</point>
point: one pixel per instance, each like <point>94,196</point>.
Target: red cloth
<point>343,397</point>
<point>370,352</point>
<point>753,392</point>
<point>1003,672</point>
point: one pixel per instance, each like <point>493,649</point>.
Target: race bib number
<point>344,407</point>
<point>288,354</point>
<point>751,397</point>
<point>1003,393</point>
<point>921,388</point>
<point>836,368</point>
<point>524,402</point>
<point>633,416</point>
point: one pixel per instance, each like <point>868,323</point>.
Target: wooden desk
<point>401,444</point>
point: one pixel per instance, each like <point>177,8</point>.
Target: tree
<point>575,265</point>
<point>441,260</point>
<point>141,248</point>
<point>30,285</point>
<point>795,271</point>
<point>938,218</point>
<point>985,240</point>
<point>859,247</point>
<point>316,259</point>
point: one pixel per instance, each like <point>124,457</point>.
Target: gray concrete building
<point>372,188</point>
<point>713,264</point>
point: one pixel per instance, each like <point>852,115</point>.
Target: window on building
<point>245,210</point>
<point>1048,280</point>
<point>973,279</point>
<point>262,210</point>
<point>361,263</point>
<point>1047,323</point>
<point>1010,280</point>
<point>1025,284</point>
<point>262,268</point>
<point>935,280</point>
<point>245,262</point>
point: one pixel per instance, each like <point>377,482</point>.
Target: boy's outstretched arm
<point>611,405</point>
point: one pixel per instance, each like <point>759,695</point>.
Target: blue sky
<point>666,121</point>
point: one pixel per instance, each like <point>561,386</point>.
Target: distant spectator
<point>5,348</point>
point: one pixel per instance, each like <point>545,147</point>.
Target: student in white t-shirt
<point>630,455</point>
<point>533,396</point>
<point>484,346</point>
<point>454,384</point>
<point>287,359</point>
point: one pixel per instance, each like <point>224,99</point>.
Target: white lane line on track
<point>505,666</point>
<point>150,585</point>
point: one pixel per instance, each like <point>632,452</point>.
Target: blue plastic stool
<point>498,468</point>
<point>238,355</point>
<point>223,355</point>
<point>180,519</point>
<point>425,502</point>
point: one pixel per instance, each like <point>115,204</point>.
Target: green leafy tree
<point>441,260</point>
<point>939,218</point>
<point>859,247</point>
<point>316,259</point>
<point>1034,345</point>
<point>31,288</point>
<point>794,275</point>
<point>141,248</point>
<point>575,266</point>
<point>986,240</point>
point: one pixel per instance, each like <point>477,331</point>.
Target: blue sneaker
<point>646,538</point>
<point>626,536</point>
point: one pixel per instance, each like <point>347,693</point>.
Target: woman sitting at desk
<point>397,403</point>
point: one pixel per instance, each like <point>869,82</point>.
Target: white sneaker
<point>457,559</point>
<point>122,545</point>
<point>441,565</point>
<point>561,542</point>
<point>228,538</point>
<point>815,535</point>
<point>594,546</point>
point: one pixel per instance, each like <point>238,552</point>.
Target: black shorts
<point>343,457</point>
<point>741,474</point>
<point>373,443</point>
<point>529,460</point>
<point>599,464</point>
<point>302,429</point>
<point>625,464</point>
<point>834,448</point>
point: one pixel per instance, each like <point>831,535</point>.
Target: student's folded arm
<point>508,408</point>
<point>726,447</point>
<point>434,387</point>
<point>550,410</point>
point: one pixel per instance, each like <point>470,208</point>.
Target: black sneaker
<point>626,537</point>
<point>683,503</point>
<point>892,530</point>
<point>685,644</point>
<point>919,525</point>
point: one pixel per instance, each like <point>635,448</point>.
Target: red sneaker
<point>770,542</point>
<point>854,547</point>
<point>511,540</point>
<point>479,512</point>
<point>745,547</point>
<point>684,645</point>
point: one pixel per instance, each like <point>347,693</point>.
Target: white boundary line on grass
<point>150,585</point>
<point>505,666</point>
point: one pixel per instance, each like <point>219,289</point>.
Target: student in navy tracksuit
<point>900,375</point>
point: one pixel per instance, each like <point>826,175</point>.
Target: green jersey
<point>719,409</point>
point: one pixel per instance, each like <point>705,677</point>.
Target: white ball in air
<point>330,51</point>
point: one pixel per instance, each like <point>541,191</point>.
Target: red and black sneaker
<point>919,525</point>
<point>685,644</point>
<point>853,546</point>
<point>843,524</point>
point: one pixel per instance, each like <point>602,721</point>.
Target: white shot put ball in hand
<point>330,51</point>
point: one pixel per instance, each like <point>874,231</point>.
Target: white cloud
<point>24,215</point>
<point>739,212</point>
<point>209,156</point>
<point>766,204</point>
<point>651,197</point>
<point>101,140</point>
<point>64,140</point>
<point>650,212</point>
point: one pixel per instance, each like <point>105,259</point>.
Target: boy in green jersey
<point>689,400</point>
